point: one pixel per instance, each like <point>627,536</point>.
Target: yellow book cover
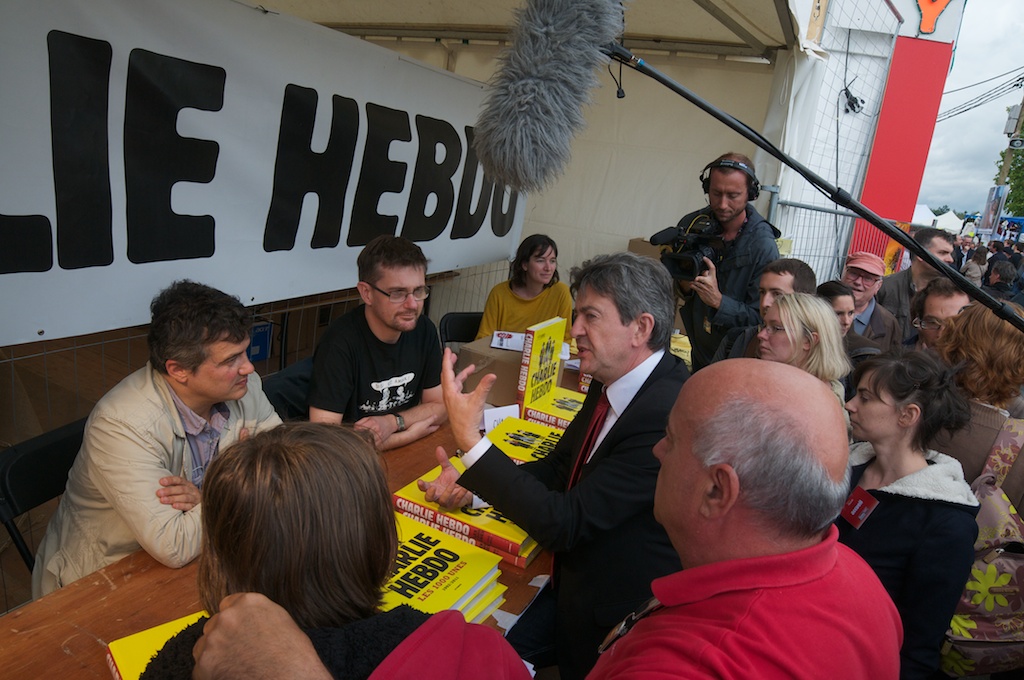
<point>538,371</point>
<point>485,605</point>
<point>527,553</point>
<point>127,657</point>
<point>491,608</point>
<point>523,558</point>
<point>524,441</point>
<point>485,593</point>
<point>434,571</point>
<point>483,525</point>
<point>556,409</point>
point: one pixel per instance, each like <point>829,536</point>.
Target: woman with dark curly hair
<point>910,513</point>
<point>302,515</point>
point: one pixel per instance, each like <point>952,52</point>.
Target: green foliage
<point>1015,180</point>
<point>943,209</point>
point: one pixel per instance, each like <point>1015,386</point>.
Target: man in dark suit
<point>1001,281</point>
<point>591,500</point>
<point>998,254</point>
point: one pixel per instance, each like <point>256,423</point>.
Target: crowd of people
<point>699,517</point>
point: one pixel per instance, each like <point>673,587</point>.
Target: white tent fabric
<point>723,27</point>
<point>948,221</point>
<point>923,215</point>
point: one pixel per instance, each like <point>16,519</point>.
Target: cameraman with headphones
<point>725,295</point>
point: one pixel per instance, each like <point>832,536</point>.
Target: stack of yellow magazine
<point>433,572</point>
<point>482,527</point>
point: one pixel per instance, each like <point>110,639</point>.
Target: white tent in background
<point>948,221</point>
<point>923,216</point>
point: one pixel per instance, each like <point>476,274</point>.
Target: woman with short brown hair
<point>302,515</point>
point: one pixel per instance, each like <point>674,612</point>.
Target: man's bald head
<point>784,392</point>
<point>779,434</point>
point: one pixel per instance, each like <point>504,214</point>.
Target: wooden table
<point>65,634</point>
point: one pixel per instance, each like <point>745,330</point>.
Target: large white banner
<point>143,141</point>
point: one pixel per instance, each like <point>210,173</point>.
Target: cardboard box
<point>504,364</point>
<point>501,362</point>
<point>642,246</point>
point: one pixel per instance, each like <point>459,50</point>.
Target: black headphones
<point>753,186</point>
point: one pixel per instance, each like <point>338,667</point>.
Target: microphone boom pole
<point>838,196</point>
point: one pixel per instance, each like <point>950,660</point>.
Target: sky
<point>961,162</point>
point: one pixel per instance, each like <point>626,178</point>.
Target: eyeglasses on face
<point>928,324</point>
<point>399,296</point>
<point>867,278</point>
<point>771,330</point>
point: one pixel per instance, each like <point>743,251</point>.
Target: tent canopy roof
<point>948,221</point>
<point>753,28</point>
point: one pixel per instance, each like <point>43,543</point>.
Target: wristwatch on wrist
<point>401,422</point>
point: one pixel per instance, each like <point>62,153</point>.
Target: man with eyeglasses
<point>897,289</point>
<point>379,366</point>
<point>931,307</point>
<point>780,277</point>
<point>863,274</point>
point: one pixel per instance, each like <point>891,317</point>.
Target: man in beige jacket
<point>137,480</point>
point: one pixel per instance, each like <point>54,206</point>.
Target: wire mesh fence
<point>859,39</point>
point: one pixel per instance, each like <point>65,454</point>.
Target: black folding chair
<point>287,390</point>
<point>459,327</point>
<point>32,473</point>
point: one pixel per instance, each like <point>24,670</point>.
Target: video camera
<point>688,247</point>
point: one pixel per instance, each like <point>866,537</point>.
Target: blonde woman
<point>802,330</point>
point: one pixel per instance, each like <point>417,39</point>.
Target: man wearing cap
<point>863,274</point>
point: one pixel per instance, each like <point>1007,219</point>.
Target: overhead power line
<point>982,82</point>
<point>991,95</point>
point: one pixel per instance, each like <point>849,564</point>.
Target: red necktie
<point>593,429</point>
<point>596,422</point>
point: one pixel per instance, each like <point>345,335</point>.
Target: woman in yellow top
<point>532,293</point>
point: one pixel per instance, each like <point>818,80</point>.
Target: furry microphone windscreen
<point>535,103</point>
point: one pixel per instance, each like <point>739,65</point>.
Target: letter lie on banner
<point>147,141</point>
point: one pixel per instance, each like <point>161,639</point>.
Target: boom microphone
<point>544,78</point>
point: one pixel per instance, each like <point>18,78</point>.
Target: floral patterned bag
<point>986,634</point>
